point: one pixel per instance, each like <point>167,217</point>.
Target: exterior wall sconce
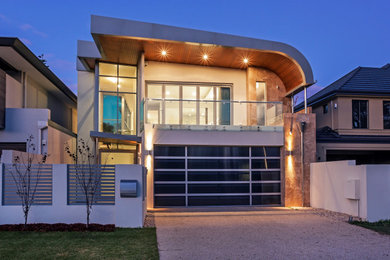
<point>148,152</point>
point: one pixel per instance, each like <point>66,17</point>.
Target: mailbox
<point>128,189</point>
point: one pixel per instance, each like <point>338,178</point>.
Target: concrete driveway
<point>271,233</point>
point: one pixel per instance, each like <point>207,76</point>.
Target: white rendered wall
<point>328,181</point>
<point>328,188</point>
<point>127,212</point>
<point>23,122</point>
<point>378,192</point>
<point>85,104</point>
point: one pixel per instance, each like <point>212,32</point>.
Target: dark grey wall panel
<point>2,99</point>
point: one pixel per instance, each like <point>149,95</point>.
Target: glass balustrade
<point>212,114</point>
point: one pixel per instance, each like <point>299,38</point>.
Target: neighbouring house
<point>208,114</point>
<point>33,101</point>
<point>353,117</point>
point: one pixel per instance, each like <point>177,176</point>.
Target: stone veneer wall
<point>275,91</point>
<point>292,173</point>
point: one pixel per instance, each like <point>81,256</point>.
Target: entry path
<point>272,233</point>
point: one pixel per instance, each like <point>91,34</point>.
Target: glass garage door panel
<point>169,201</point>
<point>218,200</point>
<point>216,175</point>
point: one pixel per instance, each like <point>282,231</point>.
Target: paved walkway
<point>279,233</point>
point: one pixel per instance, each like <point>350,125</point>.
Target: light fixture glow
<point>112,79</point>
<point>246,60</point>
<point>163,52</point>
<point>168,93</point>
<point>194,93</point>
<point>205,56</point>
<point>119,86</point>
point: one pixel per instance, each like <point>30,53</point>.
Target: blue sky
<point>335,36</point>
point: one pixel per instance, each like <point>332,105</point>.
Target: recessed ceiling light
<point>205,56</point>
<point>163,52</point>
<point>246,60</point>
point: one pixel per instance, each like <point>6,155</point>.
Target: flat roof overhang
<point>123,41</point>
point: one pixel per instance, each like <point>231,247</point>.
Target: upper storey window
<point>188,104</point>
<point>359,113</point>
<point>386,114</point>
<point>117,99</point>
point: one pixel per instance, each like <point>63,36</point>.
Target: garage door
<point>216,175</point>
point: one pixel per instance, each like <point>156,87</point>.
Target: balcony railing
<point>213,114</point>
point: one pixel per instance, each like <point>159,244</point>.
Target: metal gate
<point>216,175</point>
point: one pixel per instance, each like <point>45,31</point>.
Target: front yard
<point>121,244</point>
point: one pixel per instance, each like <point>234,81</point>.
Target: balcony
<point>214,115</point>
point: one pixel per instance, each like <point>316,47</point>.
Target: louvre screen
<point>40,177</point>
<point>105,186</point>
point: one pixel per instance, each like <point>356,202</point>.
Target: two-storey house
<point>208,114</point>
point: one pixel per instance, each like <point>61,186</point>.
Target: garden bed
<point>62,227</point>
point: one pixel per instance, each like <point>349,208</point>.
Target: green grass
<point>138,243</point>
<point>382,226</point>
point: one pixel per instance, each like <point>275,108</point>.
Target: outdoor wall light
<point>163,52</point>
<point>148,152</point>
<point>246,60</point>
<point>205,56</point>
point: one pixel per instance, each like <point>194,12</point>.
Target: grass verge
<point>123,243</point>
<point>382,226</point>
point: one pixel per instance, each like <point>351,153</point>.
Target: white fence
<point>357,190</point>
<point>125,212</point>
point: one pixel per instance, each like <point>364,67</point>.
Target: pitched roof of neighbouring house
<point>29,56</point>
<point>360,81</point>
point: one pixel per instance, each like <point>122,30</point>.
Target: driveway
<point>268,233</point>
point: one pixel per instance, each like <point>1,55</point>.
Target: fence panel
<point>105,185</point>
<point>40,176</point>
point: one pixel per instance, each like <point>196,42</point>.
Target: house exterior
<point>208,114</point>
<point>353,117</point>
<point>33,101</point>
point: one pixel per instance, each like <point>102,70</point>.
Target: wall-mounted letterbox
<point>128,189</point>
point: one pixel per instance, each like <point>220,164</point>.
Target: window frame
<point>325,108</point>
<point>359,113</point>
<point>383,114</point>
<point>118,94</point>
<point>198,85</point>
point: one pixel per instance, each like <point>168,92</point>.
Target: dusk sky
<point>335,36</point>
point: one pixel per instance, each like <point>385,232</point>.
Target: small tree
<point>88,174</point>
<point>26,180</point>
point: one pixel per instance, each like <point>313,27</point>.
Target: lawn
<point>139,243</point>
<point>382,227</point>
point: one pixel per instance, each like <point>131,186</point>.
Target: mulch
<point>62,227</point>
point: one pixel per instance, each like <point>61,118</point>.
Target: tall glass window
<point>188,104</point>
<point>117,99</point>
<point>359,113</point>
